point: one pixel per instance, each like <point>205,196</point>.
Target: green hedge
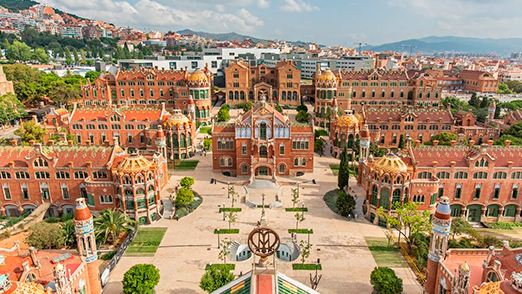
<point>306,266</point>
<point>299,209</point>
<point>182,211</point>
<point>228,209</point>
<point>228,266</point>
<point>300,231</point>
<point>226,231</point>
<point>502,225</point>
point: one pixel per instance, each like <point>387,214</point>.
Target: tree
<point>247,106</point>
<point>187,182</point>
<point>215,278</point>
<point>61,92</point>
<point>45,235</point>
<point>319,146</point>
<point>207,144</point>
<point>344,171</point>
<point>10,108</point>
<point>306,248</point>
<point>407,220</point>
<point>223,253</point>
<point>92,75</point>
<point>18,51</point>
<point>40,55</point>
<point>111,224</point>
<point>231,217</point>
<point>385,281</point>
<point>459,227</point>
<point>401,142</point>
<point>515,130</point>
<point>295,197</point>
<point>184,197</point>
<point>69,232</point>
<point>30,130</point>
<point>484,103</point>
<point>345,203</point>
<point>474,100</point>
<point>514,86</point>
<point>302,116</point>
<point>444,139</point>
<point>376,151</point>
<point>299,218</point>
<point>503,89</point>
<point>141,279</point>
<point>278,108</point>
<point>223,114</point>
<point>302,107</point>
<point>328,114</point>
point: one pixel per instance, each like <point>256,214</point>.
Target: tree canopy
<point>141,279</point>
<point>385,281</point>
<point>45,235</point>
<point>184,196</point>
<point>444,139</point>
<point>215,278</point>
<point>30,130</point>
<point>10,108</point>
<point>187,182</point>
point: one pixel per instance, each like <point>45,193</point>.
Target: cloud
<point>263,4</point>
<point>298,6</point>
<point>152,14</point>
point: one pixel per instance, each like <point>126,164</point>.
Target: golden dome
<point>491,288</point>
<point>326,76</point>
<point>25,288</point>
<point>177,118</point>
<point>464,267</point>
<point>198,76</point>
<point>134,164</point>
<point>348,122</point>
<point>390,163</point>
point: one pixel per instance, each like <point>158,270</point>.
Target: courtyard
<point>190,244</point>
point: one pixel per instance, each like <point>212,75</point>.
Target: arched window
<point>263,153</point>
<point>229,161</point>
<point>424,175</point>
<point>262,131</point>
<point>375,192</point>
<point>139,179</point>
<point>182,143</point>
<point>385,198</point>
<point>281,168</point>
<point>492,277</point>
<point>244,169</point>
<point>140,191</point>
<point>396,200</point>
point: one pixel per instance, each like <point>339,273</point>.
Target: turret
<point>491,110</point>
<point>461,281</point>
<point>364,151</point>
<point>440,230</point>
<point>62,282</point>
<point>161,142</point>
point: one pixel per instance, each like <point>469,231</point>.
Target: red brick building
<point>263,143</point>
<point>353,89</point>
<point>280,84</point>
<point>483,182</point>
<point>152,86</point>
<point>32,175</point>
<point>476,81</point>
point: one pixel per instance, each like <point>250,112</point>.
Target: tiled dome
<point>391,163</point>
<point>134,164</point>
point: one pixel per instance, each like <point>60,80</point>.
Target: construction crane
<point>360,46</point>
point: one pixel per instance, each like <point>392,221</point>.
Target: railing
<point>116,258</point>
<point>421,277</point>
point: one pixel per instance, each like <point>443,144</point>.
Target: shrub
<point>223,114</point>
<point>46,236</point>
<point>67,216</point>
<point>302,116</point>
<point>187,182</point>
<point>215,278</point>
<point>302,107</point>
<point>344,203</point>
<point>184,197</point>
<point>141,279</point>
<point>385,281</point>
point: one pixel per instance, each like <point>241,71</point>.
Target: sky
<point>330,22</point>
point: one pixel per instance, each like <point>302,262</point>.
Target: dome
<point>81,211</point>
<point>327,76</point>
<point>348,121</point>
<point>134,163</point>
<point>443,210</point>
<point>464,267</point>
<point>390,163</point>
<point>177,118</point>
<point>198,76</point>
<point>14,287</point>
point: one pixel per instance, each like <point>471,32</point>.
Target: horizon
<point>311,20</point>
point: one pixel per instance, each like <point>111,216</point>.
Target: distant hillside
<point>17,5</point>
<point>220,37</point>
<point>434,44</point>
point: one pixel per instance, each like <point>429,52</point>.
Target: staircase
<point>232,251</point>
<point>295,251</point>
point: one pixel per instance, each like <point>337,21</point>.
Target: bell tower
<point>440,230</point>
<point>86,240</point>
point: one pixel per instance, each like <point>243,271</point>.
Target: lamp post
<point>314,281</point>
<point>219,241</point>
<point>223,210</point>
<point>228,189</point>
<point>309,230</point>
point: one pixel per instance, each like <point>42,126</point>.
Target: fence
<point>421,277</point>
<point>116,258</point>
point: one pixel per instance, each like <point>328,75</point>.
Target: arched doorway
<point>474,213</point>
<point>263,171</point>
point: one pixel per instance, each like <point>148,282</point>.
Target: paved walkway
<point>189,244</point>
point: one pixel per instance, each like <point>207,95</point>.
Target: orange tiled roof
<point>129,114</point>
<point>395,114</point>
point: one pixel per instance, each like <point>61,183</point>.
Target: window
<point>443,175</point>
<point>99,175</point>
<point>281,149</point>
<point>25,192</point>
<point>477,193</point>
<point>65,192</point>
<point>516,175</point>
<point>458,191</point>
<point>514,192</point>
<point>105,199</point>
<point>482,163</point>
<point>263,153</point>
<point>22,176</point>
<point>244,149</point>
<point>496,193</point>
<point>46,195</point>
<point>460,175</point>
<point>281,168</point>
<point>424,175</point>
<point>480,175</point>
<point>80,175</point>
<point>40,175</point>
<point>499,175</point>
<point>300,161</point>
<point>7,193</point>
<point>262,131</point>
<point>244,169</point>
<point>62,175</point>
<point>40,162</point>
<point>5,175</point>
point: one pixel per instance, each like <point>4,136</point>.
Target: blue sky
<point>328,22</point>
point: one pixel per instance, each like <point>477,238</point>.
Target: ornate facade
<point>280,84</point>
<point>263,143</point>
<point>483,182</point>
<point>58,175</point>
<point>152,86</point>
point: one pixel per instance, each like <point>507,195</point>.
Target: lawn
<point>383,254</point>
<point>306,266</point>
<point>322,133</point>
<point>226,231</point>
<point>298,209</point>
<point>334,168</point>
<point>187,165</point>
<point>229,266</point>
<point>300,231</point>
<point>204,130</point>
<point>146,242</point>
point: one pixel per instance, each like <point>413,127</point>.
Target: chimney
<point>434,163</point>
<point>507,143</point>
<point>31,142</point>
<point>14,143</point>
<point>435,143</point>
<point>453,143</point>
<point>88,142</point>
<point>32,255</point>
<point>50,142</point>
<point>70,143</point>
<point>417,143</point>
<point>63,137</point>
<point>490,143</point>
<point>471,143</point>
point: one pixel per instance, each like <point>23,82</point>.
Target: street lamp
<point>314,281</point>
<point>223,210</point>
<point>309,230</point>
<point>228,189</point>
<point>219,241</point>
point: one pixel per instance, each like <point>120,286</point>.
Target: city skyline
<point>309,20</point>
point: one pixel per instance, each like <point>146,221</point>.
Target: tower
<point>364,151</point>
<point>461,281</point>
<point>161,142</point>
<point>440,229</point>
<point>86,241</point>
<point>491,110</point>
<point>191,109</point>
<point>63,283</point>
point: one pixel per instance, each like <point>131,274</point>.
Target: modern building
<point>177,89</point>
<point>468,270</point>
<point>483,182</point>
<point>262,143</point>
<point>280,84</point>
<point>107,177</point>
<point>470,81</point>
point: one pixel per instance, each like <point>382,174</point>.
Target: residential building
<point>5,85</point>
<point>280,84</point>
<point>73,31</point>
<point>262,143</point>
<point>479,81</point>
<point>177,89</point>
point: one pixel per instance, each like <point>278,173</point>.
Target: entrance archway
<point>474,213</point>
<point>263,171</point>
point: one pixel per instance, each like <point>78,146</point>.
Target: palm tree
<point>111,224</point>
